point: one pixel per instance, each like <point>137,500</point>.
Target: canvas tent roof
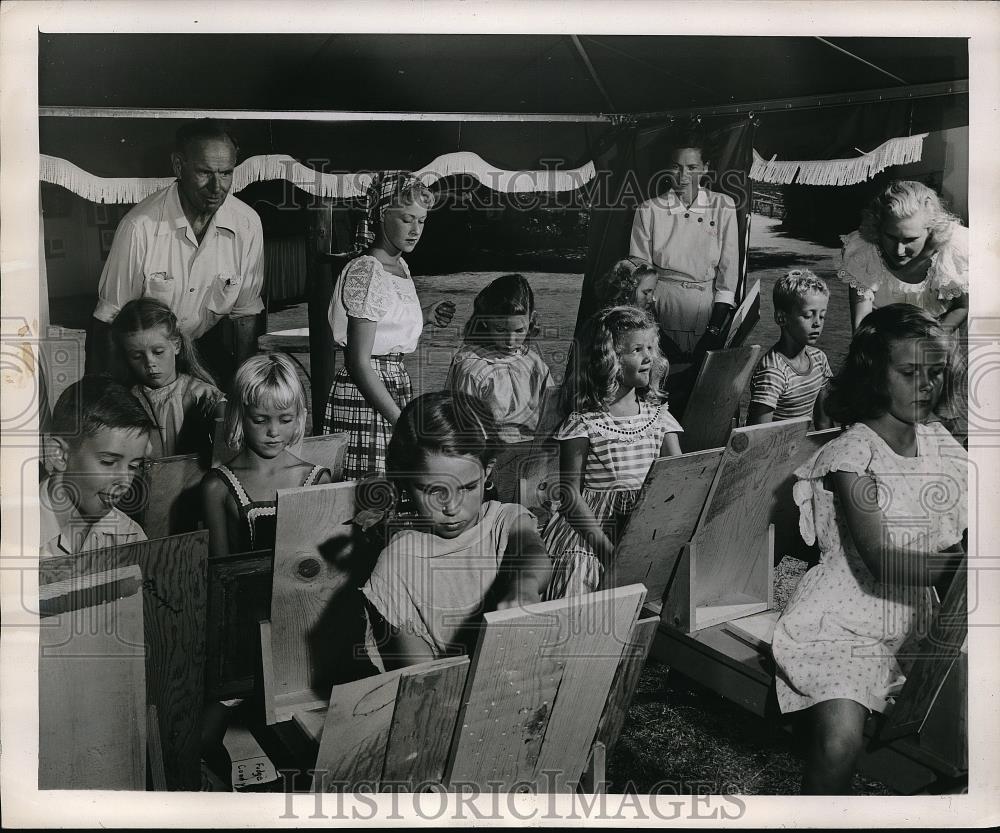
<point>455,73</point>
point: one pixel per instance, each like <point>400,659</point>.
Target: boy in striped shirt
<point>790,380</point>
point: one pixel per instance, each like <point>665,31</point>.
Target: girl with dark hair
<point>886,502</point>
<point>454,558</point>
<point>498,364</point>
<point>689,235</point>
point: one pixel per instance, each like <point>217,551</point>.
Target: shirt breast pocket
<point>159,286</point>
<point>224,292</point>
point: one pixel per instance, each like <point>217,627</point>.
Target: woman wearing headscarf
<point>376,319</point>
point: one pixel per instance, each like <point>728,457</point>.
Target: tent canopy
<point>551,74</point>
<point>516,74</point>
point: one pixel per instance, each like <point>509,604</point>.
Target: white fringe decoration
<point>900,151</point>
<point>338,186</point>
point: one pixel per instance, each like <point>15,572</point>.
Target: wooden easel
<point>722,378</point>
<point>543,695</point>
<point>173,582</point>
<point>319,562</point>
<point>725,572</point>
<point>92,683</point>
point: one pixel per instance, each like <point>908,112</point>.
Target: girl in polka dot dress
<point>618,427</point>
<point>886,501</point>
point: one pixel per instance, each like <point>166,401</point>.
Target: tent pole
<point>859,58</point>
<point>814,102</point>
<point>314,115</point>
<point>593,72</point>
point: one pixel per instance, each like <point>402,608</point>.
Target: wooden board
<point>319,562</point>
<point>511,461</point>
<point>537,688</point>
<point>784,514</point>
<point>168,495</point>
<point>393,728</point>
<point>61,353</point>
<point>626,679</point>
<point>663,521</point>
<point>757,630</point>
<point>174,578</point>
<point>722,378</point>
<point>536,482</point>
<point>157,780</point>
<point>239,597</point>
<point>91,683</point>
<point>732,533</point>
<point>423,723</point>
<point>932,658</point>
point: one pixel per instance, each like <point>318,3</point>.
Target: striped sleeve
<point>767,384</point>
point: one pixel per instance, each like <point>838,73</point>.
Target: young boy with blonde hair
<point>791,377</point>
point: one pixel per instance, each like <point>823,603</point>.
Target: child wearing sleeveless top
<point>265,414</point>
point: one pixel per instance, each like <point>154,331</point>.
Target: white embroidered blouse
<point>366,290</point>
<point>863,268</point>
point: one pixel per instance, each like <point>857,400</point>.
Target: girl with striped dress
<point>619,426</point>
<point>376,319</point>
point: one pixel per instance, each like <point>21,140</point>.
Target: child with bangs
<point>619,425</point>
<point>265,416</point>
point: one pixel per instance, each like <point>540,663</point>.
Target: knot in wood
<point>740,443</point>
<point>308,568</point>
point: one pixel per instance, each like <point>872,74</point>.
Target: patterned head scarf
<point>385,187</point>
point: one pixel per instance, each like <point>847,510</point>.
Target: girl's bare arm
<point>572,457</point>
<point>357,359</point>
<point>888,561</point>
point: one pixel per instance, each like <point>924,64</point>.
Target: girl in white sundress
<point>886,501</point>
<point>618,427</point>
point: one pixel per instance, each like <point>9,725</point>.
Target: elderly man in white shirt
<point>193,246</point>
<point>690,236</point>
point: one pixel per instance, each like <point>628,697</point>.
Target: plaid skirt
<point>347,411</point>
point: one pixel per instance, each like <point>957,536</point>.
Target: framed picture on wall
<point>107,238</point>
<point>98,214</point>
<point>55,247</point>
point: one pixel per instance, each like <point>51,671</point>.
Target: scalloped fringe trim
<point>99,189</point>
<point>899,151</point>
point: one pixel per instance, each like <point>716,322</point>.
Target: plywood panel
<point>239,597</point>
<point>537,480</point>
<point>663,521</point>
<point>626,679</point>
<point>169,495</point>
<point>784,514</point>
<point>319,562</point>
<point>731,535</point>
<point>722,378</point>
<point>91,683</point>
<point>355,733</point>
<point>539,682</point>
<point>174,579</point>
<point>424,721</point>
<point>932,660</point>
